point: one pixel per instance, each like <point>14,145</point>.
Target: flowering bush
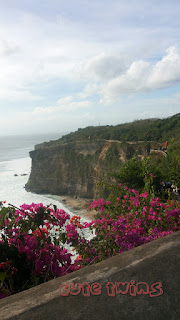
<point>34,232</point>
<point>35,238</point>
<point>127,221</point>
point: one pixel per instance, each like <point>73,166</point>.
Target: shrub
<point>36,240</point>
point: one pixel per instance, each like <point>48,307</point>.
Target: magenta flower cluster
<point>36,230</point>
<point>127,221</point>
<point>43,234</point>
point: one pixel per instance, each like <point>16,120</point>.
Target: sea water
<point>15,167</point>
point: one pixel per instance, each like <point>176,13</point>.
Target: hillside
<point>158,130</point>
<point>74,164</point>
<point>75,168</point>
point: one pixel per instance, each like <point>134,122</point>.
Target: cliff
<point>75,168</point>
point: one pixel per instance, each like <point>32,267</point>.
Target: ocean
<point>15,167</point>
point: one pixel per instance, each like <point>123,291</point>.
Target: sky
<point>69,64</point>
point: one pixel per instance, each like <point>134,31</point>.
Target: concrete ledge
<point>157,261</point>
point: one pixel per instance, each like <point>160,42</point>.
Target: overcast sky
<point>74,63</point>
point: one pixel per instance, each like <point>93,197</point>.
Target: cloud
<point>104,67</point>
<point>35,51</point>
<point>39,48</point>
<point>87,53</point>
<point>7,48</point>
<point>63,105</point>
<point>53,120</point>
<point>132,80</point>
<point>166,72</point>
<point>11,95</point>
<point>140,76</point>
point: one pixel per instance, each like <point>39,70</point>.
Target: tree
<point>131,174</point>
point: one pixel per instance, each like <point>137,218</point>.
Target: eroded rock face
<point>75,168</point>
<point>67,169</point>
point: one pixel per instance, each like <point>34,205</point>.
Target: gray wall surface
<point>115,295</point>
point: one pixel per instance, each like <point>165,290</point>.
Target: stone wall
<point>157,264</point>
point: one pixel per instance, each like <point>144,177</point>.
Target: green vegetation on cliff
<point>76,163</point>
<point>140,130</point>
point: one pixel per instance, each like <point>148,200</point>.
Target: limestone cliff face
<point>75,168</point>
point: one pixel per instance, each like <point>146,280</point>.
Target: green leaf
<point>2,276</point>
